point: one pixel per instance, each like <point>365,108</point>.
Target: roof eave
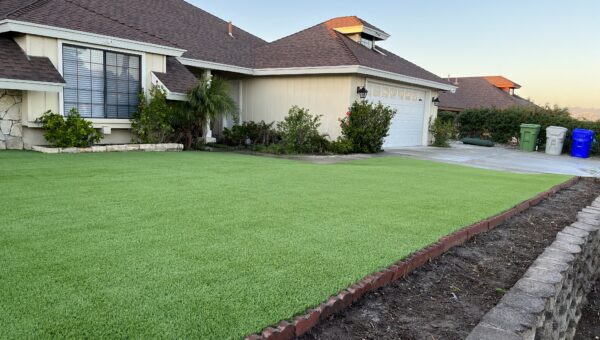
<point>30,85</point>
<point>10,25</point>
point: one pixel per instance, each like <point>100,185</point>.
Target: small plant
<point>366,125</point>
<point>443,131</point>
<point>260,133</point>
<point>300,132</point>
<point>74,131</point>
<point>341,146</point>
<point>152,121</point>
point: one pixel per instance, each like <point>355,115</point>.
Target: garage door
<point>408,123</point>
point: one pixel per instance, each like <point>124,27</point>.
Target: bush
<point>74,131</point>
<point>443,131</point>
<point>341,146</point>
<point>503,125</point>
<point>366,125</point>
<point>152,121</point>
<point>300,132</point>
<point>259,133</point>
<point>447,116</point>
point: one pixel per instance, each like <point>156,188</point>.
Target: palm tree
<point>209,100</point>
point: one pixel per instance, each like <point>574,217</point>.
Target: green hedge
<point>502,125</point>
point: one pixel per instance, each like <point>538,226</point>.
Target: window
<point>367,41</point>
<point>101,84</point>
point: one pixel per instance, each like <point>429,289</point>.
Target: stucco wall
<point>270,98</point>
<point>11,135</point>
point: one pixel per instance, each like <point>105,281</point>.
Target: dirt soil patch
<point>447,298</point>
<point>589,325</point>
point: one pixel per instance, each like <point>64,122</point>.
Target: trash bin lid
<point>583,133</point>
<point>556,129</point>
<point>534,126</point>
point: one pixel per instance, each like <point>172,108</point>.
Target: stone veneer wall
<point>546,303</point>
<point>11,130</point>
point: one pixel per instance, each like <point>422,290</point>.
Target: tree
<point>210,99</point>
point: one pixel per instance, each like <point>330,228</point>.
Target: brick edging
<point>303,323</point>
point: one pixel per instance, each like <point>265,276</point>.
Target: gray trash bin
<point>555,139</point>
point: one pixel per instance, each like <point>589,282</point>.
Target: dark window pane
<point>70,95</point>
<point>134,75</point>
<point>83,55</point>
<point>71,80</point>
<point>97,97</point>
<point>111,98</point>
<point>111,72</point>
<point>85,110</point>
<point>111,59</point>
<point>134,61</point>
<point>97,57</point>
<point>111,111</point>
<point>84,83</point>
<point>70,67</point>
<point>123,99</point>
<point>111,85</point>
<point>69,53</point>
<point>98,85</point>
<point>98,111</point>
<point>84,97</point>
<point>133,100</point>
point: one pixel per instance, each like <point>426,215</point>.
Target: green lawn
<point>182,245</point>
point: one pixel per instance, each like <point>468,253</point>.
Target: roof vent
<point>230,29</point>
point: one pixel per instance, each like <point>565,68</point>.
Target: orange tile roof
<point>501,82</point>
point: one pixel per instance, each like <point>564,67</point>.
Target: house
<point>97,55</point>
<point>481,92</point>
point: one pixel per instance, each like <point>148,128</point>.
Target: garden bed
<point>446,298</point>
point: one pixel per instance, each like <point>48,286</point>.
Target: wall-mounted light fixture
<point>362,92</point>
<point>435,101</point>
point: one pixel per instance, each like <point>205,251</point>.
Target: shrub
<point>341,146</point>
<point>300,132</point>
<point>366,125</point>
<point>152,121</point>
<point>259,133</point>
<point>503,125</point>
<point>443,131</point>
<point>74,131</point>
<point>447,116</point>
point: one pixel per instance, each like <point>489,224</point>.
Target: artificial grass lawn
<point>181,245</point>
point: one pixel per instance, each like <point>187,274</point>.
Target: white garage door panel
<point>407,126</point>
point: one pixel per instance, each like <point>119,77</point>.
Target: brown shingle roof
<point>178,78</point>
<point>16,65</point>
<point>321,45</point>
<point>81,16</point>
<point>176,23</point>
<point>478,92</point>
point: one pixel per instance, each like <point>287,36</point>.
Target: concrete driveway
<point>501,158</point>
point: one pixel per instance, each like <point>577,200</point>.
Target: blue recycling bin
<point>582,143</point>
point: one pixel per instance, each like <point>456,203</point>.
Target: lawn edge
<point>301,324</point>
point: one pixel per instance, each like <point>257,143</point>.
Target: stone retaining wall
<point>11,131</point>
<point>546,303</point>
<point>111,148</point>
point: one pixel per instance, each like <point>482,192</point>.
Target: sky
<point>550,47</point>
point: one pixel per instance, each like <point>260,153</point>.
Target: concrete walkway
<point>502,158</point>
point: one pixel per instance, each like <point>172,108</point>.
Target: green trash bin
<point>529,136</point>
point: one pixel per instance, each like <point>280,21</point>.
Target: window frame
<point>142,75</point>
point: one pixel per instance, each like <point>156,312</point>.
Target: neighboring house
<point>482,92</point>
<point>97,55</point>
